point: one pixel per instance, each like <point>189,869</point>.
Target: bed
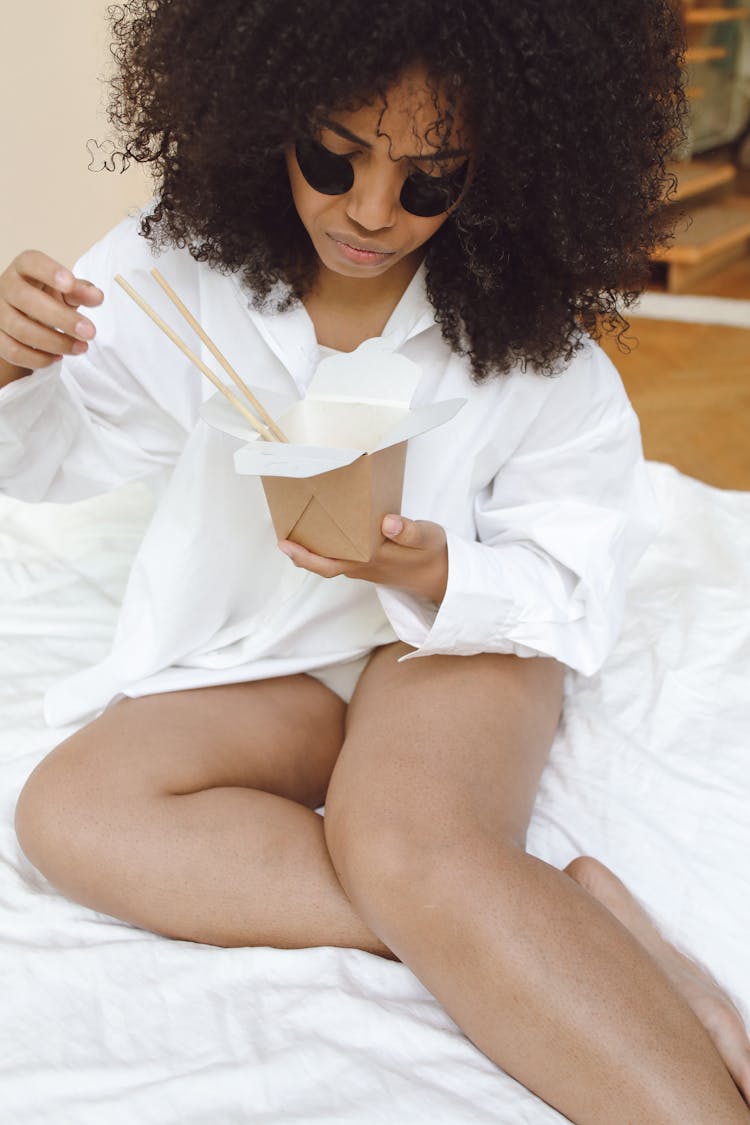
<point>105,1024</point>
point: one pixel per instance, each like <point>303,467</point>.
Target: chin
<point>353,271</point>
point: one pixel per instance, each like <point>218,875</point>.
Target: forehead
<point>414,115</point>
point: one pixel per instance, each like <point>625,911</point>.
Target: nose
<point>373,200</point>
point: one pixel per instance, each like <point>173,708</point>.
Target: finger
<point>30,301</point>
<point>38,336</point>
<point>39,269</point>
<point>34,265</point>
<point>417,534</point>
<point>307,560</point>
<point>83,293</point>
<point>21,356</point>
<point>392,526</point>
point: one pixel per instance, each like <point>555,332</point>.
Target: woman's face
<point>366,228</point>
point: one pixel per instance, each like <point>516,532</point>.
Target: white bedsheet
<point>104,1024</point>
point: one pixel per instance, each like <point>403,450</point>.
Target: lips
<point>357,255</point>
<point>354,244</point>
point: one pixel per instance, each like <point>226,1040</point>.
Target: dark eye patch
<point>427,196</point>
<point>422,195</point>
<point>324,170</point>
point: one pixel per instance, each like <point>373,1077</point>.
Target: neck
<point>346,311</point>
<point>358,295</point>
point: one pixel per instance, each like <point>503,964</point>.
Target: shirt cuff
<point>492,604</point>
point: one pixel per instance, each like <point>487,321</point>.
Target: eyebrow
<point>341,131</point>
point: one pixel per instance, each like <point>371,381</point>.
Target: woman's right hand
<point>38,318</point>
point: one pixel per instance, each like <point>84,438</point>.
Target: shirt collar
<point>291,335</point>
<point>413,314</point>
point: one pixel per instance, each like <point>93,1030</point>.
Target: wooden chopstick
<point>254,422</point>
<point>257,406</point>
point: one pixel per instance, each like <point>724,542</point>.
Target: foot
<point>695,984</point>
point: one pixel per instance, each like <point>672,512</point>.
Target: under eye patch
<point>421,195</point>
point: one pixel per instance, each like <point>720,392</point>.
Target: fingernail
<point>63,279</point>
<point>288,551</point>
<point>392,525</point>
<point>85,330</point>
<point>79,348</point>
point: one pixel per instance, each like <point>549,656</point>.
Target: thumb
<point>407,533</point>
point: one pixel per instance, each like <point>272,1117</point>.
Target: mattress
<point>105,1024</point>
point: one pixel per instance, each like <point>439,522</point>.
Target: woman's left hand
<point>414,557</point>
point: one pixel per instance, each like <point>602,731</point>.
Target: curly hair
<point>574,105</point>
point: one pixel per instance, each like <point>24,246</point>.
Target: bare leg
<point>172,813</point>
<point>425,821</point>
<point>167,813</point>
<point>695,984</point>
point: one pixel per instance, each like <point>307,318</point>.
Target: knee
<point>373,856</point>
<point>49,820</point>
<point>392,863</point>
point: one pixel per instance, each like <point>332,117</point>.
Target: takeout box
<point>342,469</point>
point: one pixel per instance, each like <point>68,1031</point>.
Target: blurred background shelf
<point>702,16</point>
<point>710,208</point>
<point>705,54</point>
<point>698,177</point>
<point>714,238</point>
<point>688,380</point>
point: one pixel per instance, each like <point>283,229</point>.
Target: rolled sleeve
<point>558,531</point>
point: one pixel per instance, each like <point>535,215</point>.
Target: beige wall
<point>52,56</point>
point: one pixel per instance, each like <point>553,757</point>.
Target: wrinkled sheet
<point>104,1024</point>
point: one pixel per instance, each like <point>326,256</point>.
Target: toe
<point>590,873</point>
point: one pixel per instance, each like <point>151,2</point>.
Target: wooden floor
<point>690,385</point>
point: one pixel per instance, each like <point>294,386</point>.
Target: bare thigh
<point>281,736</point>
<point>440,752</point>
<point>190,813</point>
<point>471,733</point>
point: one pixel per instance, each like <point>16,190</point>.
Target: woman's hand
<point>414,557</point>
<point>38,318</point>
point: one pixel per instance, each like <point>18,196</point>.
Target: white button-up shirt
<point>538,481</point>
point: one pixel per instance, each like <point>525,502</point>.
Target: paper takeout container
<point>342,469</point>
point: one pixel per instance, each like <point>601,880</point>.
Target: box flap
<point>371,374</point>
<point>218,412</point>
<point>339,425</point>
<point>420,420</point>
<point>353,401</point>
